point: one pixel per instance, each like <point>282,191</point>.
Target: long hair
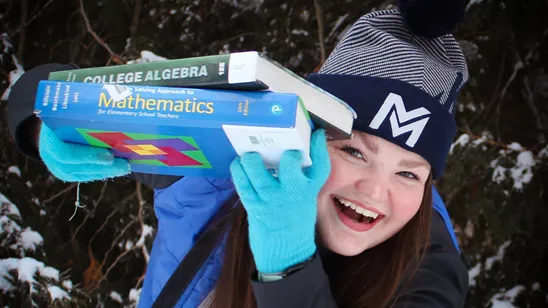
<point>373,278</point>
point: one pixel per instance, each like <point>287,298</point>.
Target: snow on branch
<point>20,273</point>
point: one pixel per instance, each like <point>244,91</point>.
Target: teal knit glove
<point>72,162</point>
<point>282,211</point>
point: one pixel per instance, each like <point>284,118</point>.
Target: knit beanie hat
<point>401,71</point>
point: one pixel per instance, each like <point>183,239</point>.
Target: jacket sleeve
<point>309,287</point>
<point>22,121</point>
<point>441,281</point>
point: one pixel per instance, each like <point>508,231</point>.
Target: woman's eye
<point>352,151</point>
<point>408,175</point>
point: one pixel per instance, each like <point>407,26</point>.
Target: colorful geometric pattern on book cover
<point>149,149</point>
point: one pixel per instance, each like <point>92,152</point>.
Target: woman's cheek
<point>408,204</point>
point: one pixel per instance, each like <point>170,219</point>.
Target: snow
<point>67,284</point>
<point>488,265</point>
<point>30,239</point>
<point>473,273</point>
<point>505,300</point>
<point>15,170</point>
<point>6,42</point>
<point>147,56</point>
<point>515,146</point>
<point>115,296</point>
<point>225,50</point>
<point>498,257</point>
<point>471,107</point>
<point>8,208</point>
<point>129,245</point>
<point>461,141</point>
<point>299,32</point>
<point>543,153</point>
<point>479,141</point>
<point>522,173</point>
<point>473,2</point>
<point>248,5</point>
<point>134,295</point>
<point>57,293</point>
<point>469,229</point>
<point>5,277</point>
<point>13,77</point>
<point>304,15</point>
<point>26,269</point>
<point>499,172</point>
<point>19,242</point>
<point>147,230</point>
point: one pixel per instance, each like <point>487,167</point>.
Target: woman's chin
<point>346,252</point>
<point>343,245</point>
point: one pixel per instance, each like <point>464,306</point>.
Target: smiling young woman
<point>374,215</point>
<point>374,189</point>
<point>350,231</point>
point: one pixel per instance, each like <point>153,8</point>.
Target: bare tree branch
<point>135,20</point>
<point>138,190</point>
<point>70,187</point>
<point>321,39</point>
<point>126,199</point>
<point>530,99</point>
<point>113,56</point>
<point>23,27</point>
<point>34,16</point>
<point>118,258</point>
<point>130,46</point>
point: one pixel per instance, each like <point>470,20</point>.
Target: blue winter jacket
<point>183,210</point>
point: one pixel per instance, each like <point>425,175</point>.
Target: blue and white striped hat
<point>402,85</point>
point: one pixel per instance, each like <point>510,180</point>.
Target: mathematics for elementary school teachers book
<point>176,131</point>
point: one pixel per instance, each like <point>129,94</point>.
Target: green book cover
<point>205,72</point>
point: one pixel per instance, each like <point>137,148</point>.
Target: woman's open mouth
<point>355,217</point>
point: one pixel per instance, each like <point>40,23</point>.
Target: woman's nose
<point>374,188</point>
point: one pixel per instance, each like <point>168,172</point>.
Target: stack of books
<point>191,116</point>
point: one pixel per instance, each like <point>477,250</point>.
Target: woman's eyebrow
<point>411,164</point>
<point>370,145</point>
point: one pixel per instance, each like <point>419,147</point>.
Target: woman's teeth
<point>358,209</point>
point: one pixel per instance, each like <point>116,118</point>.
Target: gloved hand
<point>282,211</point>
<point>72,162</point>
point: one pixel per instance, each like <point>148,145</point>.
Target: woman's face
<point>374,189</point>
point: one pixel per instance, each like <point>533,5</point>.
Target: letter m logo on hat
<point>401,116</point>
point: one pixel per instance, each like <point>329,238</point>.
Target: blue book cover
<point>172,130</point>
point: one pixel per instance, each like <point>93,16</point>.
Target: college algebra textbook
<point>173,130</point>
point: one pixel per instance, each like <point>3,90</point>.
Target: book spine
<point>208,71</point>
<point>163,106</point>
